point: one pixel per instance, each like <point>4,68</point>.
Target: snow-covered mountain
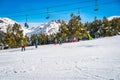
<point>4,22</point>
<point>51,27</point>
<point>112,17</point>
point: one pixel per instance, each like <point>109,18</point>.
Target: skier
<point>29,43</point>
<point>2,46</point>
<point>89,37</point>
<point>74,39</point>
<point>22,45</point>
<point>49,39</point>
<point>66,39</point>
<point>55,41</point>
<point>60,41</point>
<point>36,42</point>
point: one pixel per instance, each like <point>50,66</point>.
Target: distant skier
<point>49,40</point>
<point>2,46</point>
<point>29,42</point>
<point>60,41</point>
<point>74,39</point>
<point>36,42</point>
<point>55,41</point>
<point>22,45</point>
<point>89,37</point>
<point>66,40</point>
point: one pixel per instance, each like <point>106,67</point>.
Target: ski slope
<point>97,59</point>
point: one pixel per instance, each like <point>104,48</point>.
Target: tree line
<point>74,28</point>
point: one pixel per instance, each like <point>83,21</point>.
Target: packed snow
<point>97,59</point>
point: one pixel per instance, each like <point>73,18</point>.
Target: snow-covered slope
<point>4,22</point>
<point>97,59</point>
<point>112,17</point>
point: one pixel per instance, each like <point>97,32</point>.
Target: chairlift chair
<point>96,6</point>
<point>47,17</point>
<point>78,17</point>
<point>26,24</point>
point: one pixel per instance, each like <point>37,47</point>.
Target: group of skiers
<point>23,42</point>
<point>60,41</point>
<point>56,41</point>
<point>36,42</point>
<point>66,40</point>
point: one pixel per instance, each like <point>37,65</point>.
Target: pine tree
<point>76,28</point>
<point>115,26</point>
<point>106,28</point>
<point>94,28</point>
<point>63,30</point>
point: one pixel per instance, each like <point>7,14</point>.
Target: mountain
<point>112,17</point>
<point>4,22</point>
<point>51,27</point>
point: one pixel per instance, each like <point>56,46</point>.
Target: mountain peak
<point>51,27</point>
<point>4,22</point>
<point>112,17</point>
<point>7,20</point>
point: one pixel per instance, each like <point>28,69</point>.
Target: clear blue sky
<point>17,9</point>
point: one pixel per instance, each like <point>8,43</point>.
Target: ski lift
<point>47,17</point>
<point>26,25</point>
<point>78,17</point>
<point>96,6</point>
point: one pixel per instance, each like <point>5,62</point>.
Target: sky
<point>58,9</point>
